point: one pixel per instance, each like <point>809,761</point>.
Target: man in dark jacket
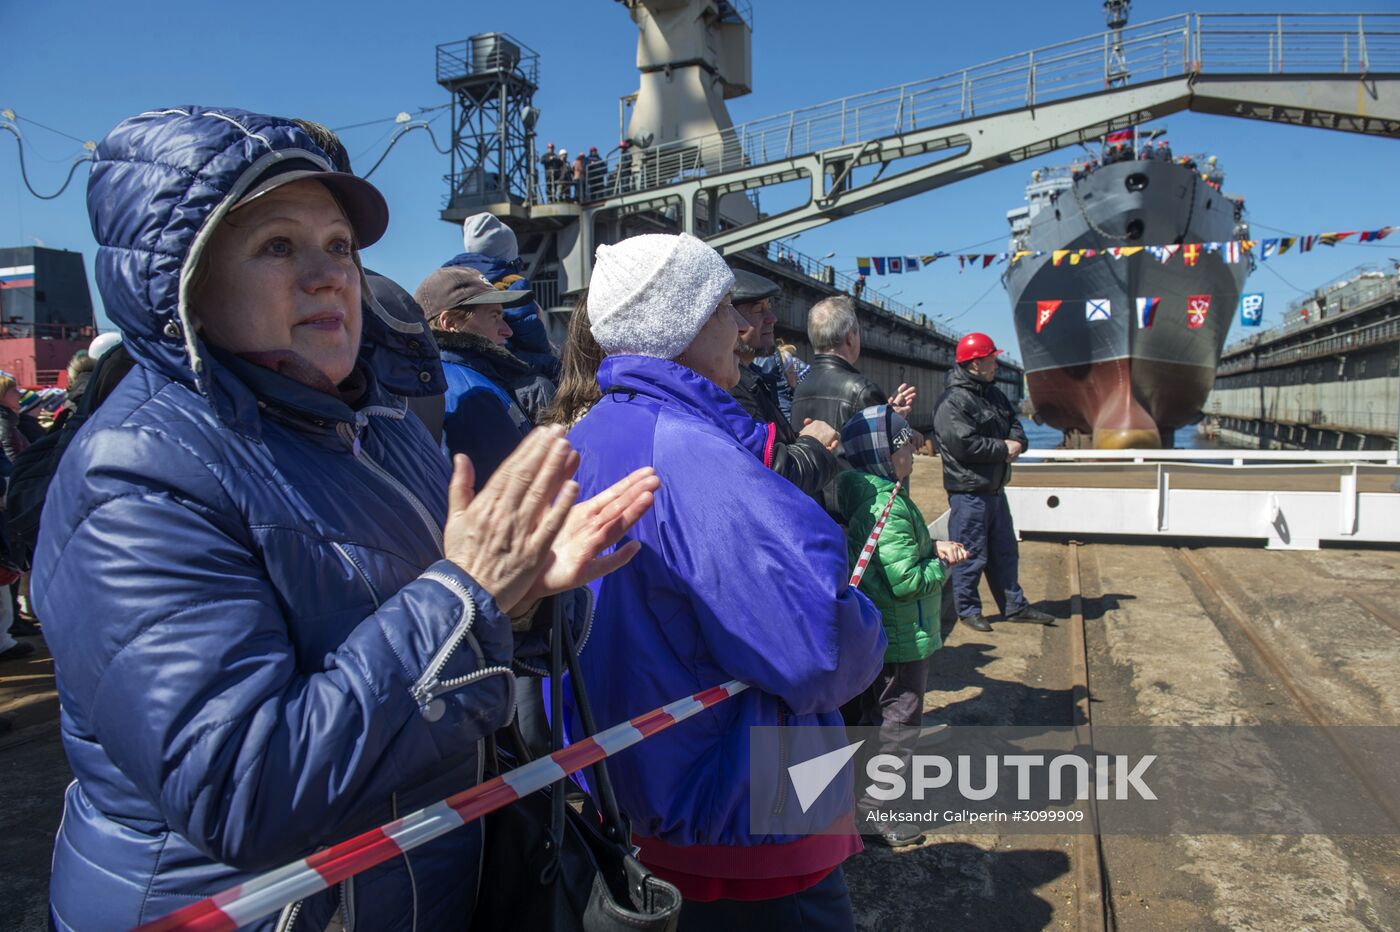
<point>806,459</point>
<point>978,437</point>
<point>834,390</point>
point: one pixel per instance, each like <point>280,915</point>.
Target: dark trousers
<point>825,907</point>
<point>894,703</point>
<point>982,524</point>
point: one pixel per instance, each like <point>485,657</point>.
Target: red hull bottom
<point>1121,403</point>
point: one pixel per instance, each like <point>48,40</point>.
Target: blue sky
<point>82,67</point>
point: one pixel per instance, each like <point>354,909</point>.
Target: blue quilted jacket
<point>260,650</point>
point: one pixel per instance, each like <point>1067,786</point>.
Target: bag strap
<point>613,824</point>
<point>562,651</point>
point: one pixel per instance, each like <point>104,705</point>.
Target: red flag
<point>1044,310</point>
<point>1125,135</point>
<point>1190,253</point>
<point>1197,307</point>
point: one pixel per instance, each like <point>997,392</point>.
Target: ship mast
<point>1116,12</point>
<point>1116,73</point>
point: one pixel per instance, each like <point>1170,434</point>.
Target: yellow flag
<point>1130,251</point>
<point>1058,256</point>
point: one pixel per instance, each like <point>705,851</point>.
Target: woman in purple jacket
<point>739,575</point>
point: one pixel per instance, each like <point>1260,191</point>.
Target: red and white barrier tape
<point>270,892</point>
<point>868,550</point>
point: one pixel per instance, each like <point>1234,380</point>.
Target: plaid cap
<point>872,436</point>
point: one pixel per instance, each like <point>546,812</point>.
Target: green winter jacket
<point>905,576</point>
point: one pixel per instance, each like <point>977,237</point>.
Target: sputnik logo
<point>811,777</point>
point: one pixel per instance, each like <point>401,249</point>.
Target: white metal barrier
<point>1291,499</point>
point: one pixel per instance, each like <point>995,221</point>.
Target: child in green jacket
<point>904,579</point>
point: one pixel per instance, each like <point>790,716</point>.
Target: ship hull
<point>1120,382</point>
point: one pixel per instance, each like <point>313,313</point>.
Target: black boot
<point>976,623</point>
<point>1032,615</point>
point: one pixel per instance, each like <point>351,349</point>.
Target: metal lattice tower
<point>1116,13</point>
<point>492,78</point>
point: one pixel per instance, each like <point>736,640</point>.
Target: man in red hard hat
<point>979,436</point>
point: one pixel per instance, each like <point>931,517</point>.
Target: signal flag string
<point>269,893</point>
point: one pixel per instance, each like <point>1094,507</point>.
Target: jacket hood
<point>670,382</point>
<point>161,182</point>
<point>870,438</point>
<point>493,267</point>
<point>958,377</point>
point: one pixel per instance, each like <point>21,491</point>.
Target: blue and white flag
<point>895,264</point>
<point>911,263</point>
<point>1098,309</point>
<point>1251,309</point>
<point>1268,249</point>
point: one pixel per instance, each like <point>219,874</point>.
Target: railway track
<point>1216,588</point>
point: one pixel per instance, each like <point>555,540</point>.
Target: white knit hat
<point>651,294</point>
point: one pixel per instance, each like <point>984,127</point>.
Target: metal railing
<point>1223,43</point>
<point>489,53</point>
<point>783,255</point>
<point>1360,289</point>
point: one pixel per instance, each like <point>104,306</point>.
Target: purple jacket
<point>740,576</point>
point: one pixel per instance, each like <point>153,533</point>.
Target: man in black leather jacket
<point>979,436</point>
<point>834,390</point>
<point>805,459</point>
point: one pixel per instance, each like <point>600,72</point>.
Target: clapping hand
<point>903,399</point>
<point>522,537</point>
<point>822,433</point>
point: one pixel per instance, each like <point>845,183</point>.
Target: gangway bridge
<point>747,185</point>
<point>1327,70</point>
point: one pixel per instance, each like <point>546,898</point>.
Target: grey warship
<point>1109,377</point>
<point>1098,365</point>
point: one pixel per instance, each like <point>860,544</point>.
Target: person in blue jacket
<point>740,575</point>
<point>490,247</point>
<point>278,615</point>
<point>493,398</point>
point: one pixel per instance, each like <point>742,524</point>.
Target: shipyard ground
<point>1174,636</point>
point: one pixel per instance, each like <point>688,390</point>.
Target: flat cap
<point>749,287</point>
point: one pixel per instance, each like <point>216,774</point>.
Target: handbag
<point>548,867</point>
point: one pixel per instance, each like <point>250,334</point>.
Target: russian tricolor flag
<point>17,276</point>
<point>1146,310</point>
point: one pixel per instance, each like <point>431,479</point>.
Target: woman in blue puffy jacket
<point>268,595</point>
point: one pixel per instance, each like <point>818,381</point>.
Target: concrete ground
<point>1164,647</point>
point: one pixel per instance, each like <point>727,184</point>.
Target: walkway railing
<point>1215,43</point>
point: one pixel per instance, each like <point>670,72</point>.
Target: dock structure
<point>1327,379</point>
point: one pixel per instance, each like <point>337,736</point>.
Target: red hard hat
<point>975,346</point>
